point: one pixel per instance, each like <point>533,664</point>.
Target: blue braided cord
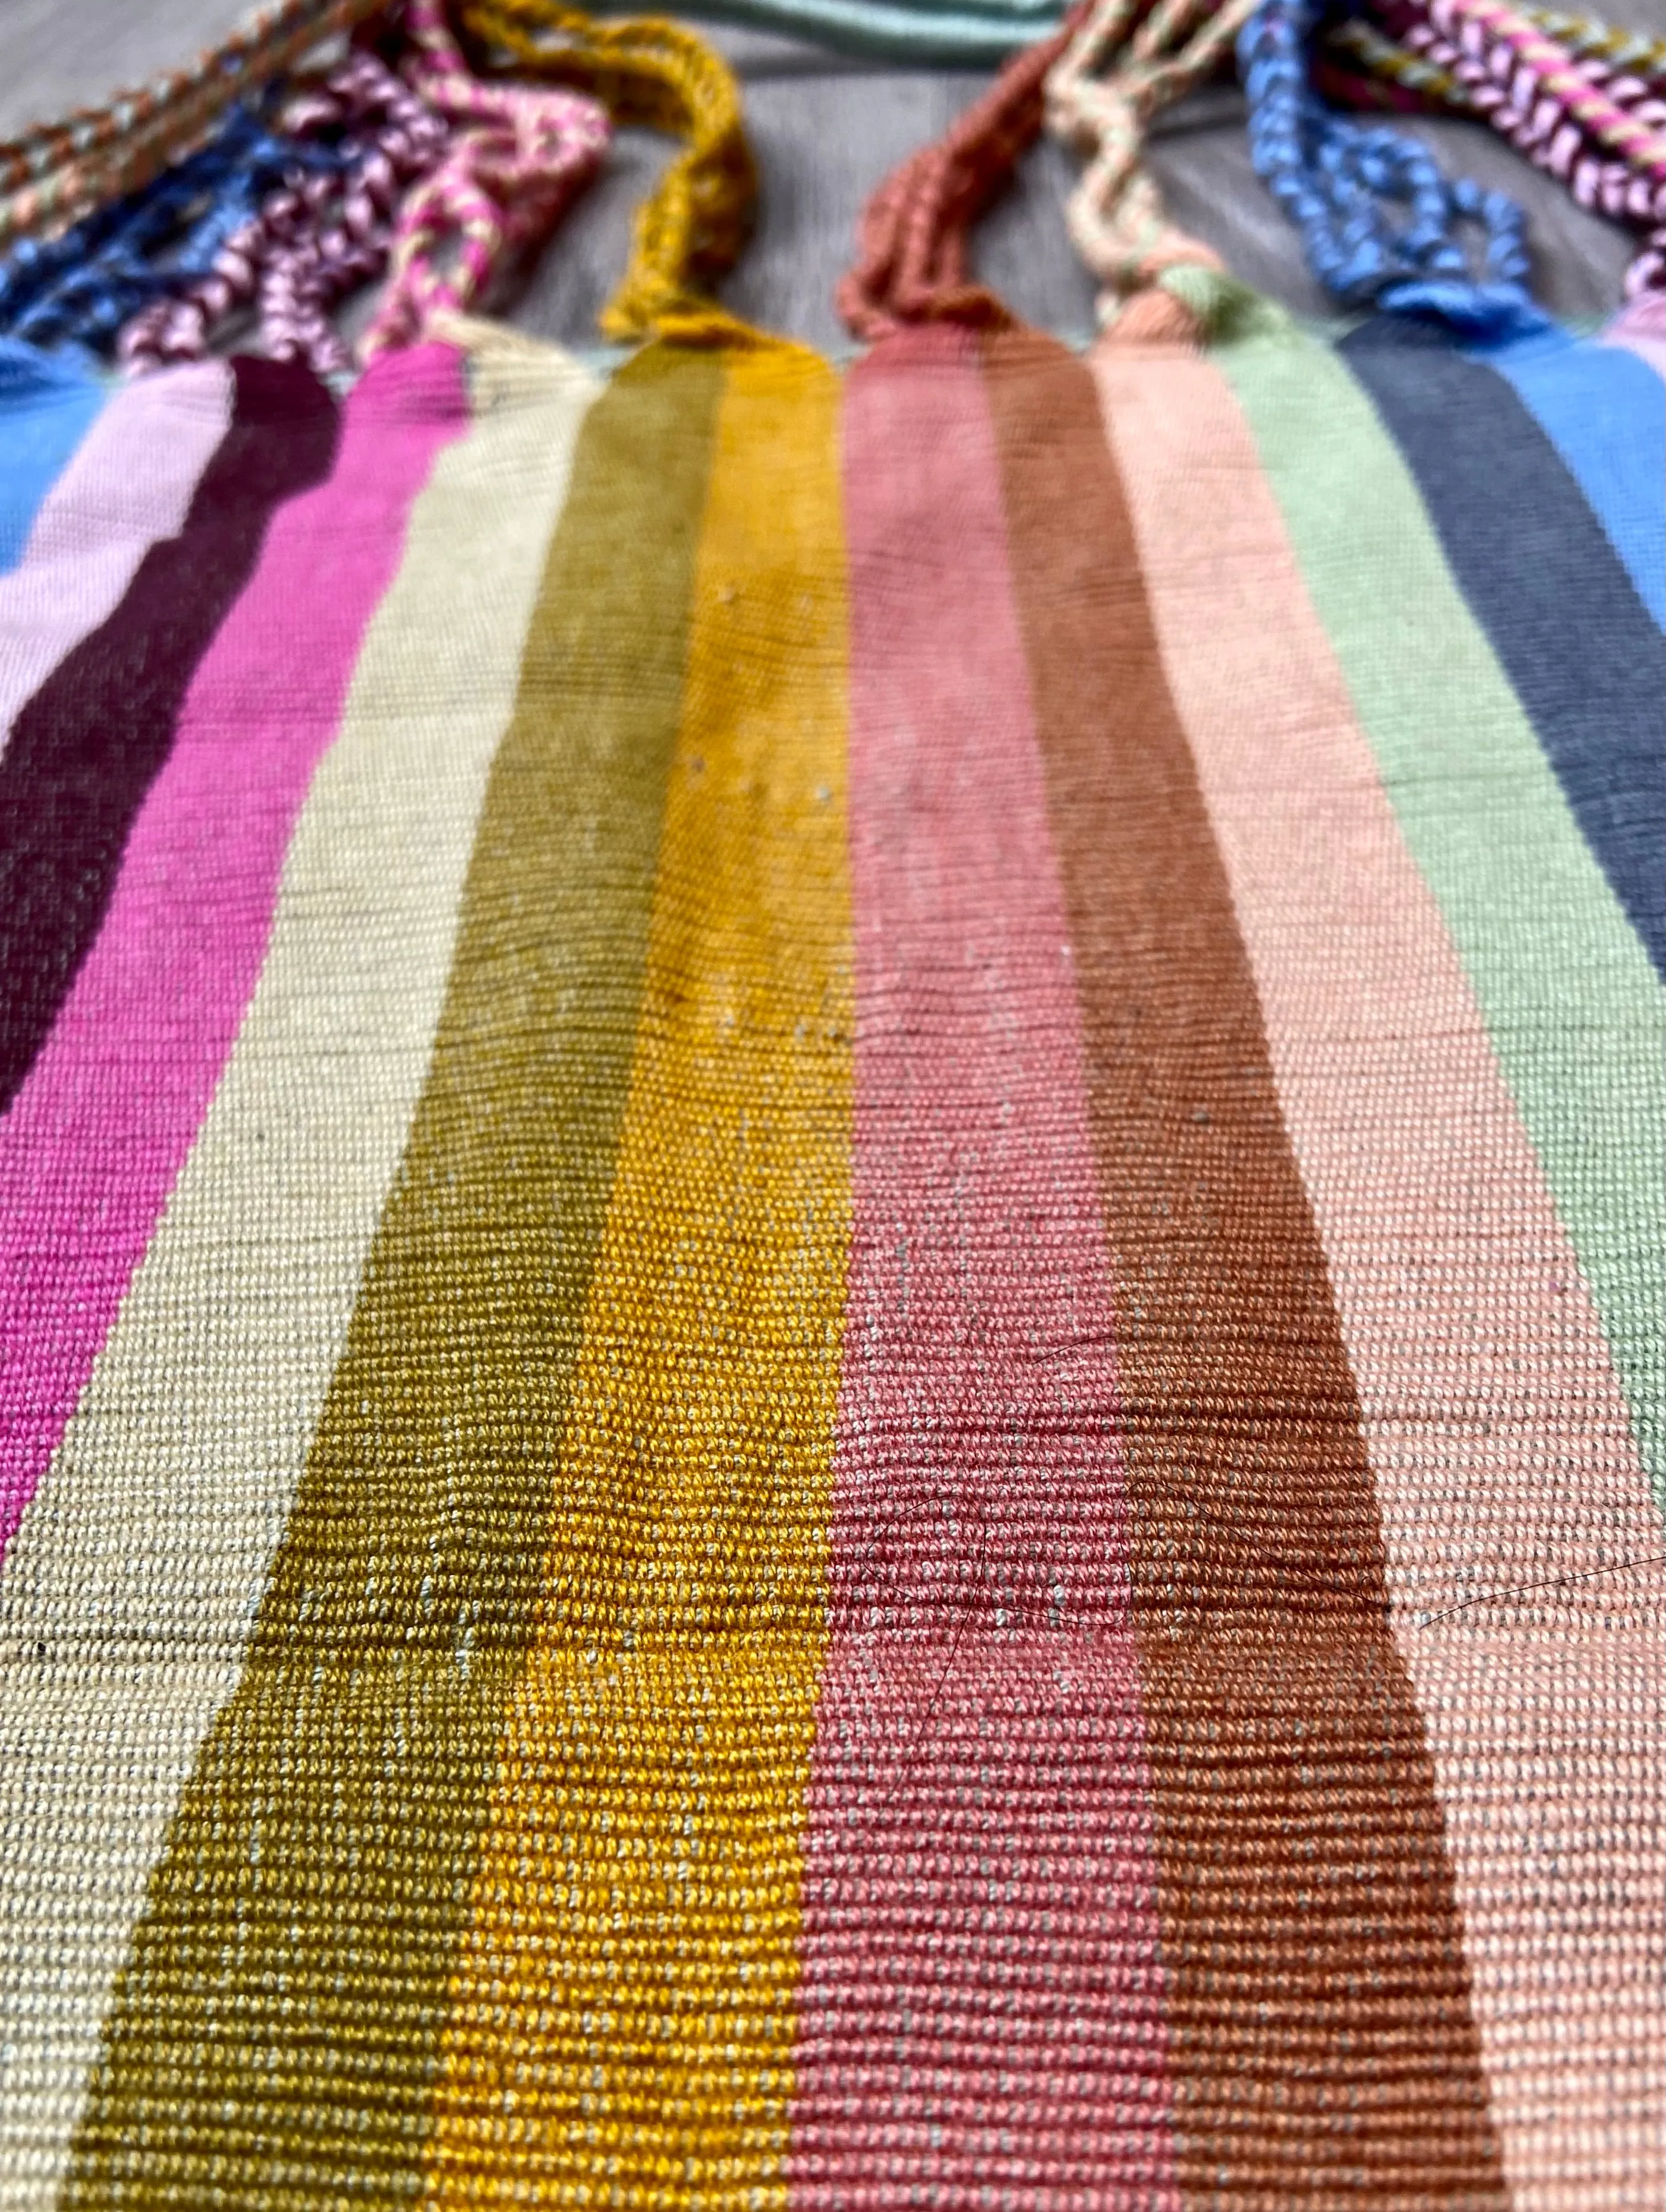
<point>1379,218</point>
<point>76,292</point>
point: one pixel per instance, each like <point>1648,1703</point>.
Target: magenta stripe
<point>981,2006</point>
<point>127,484</point>
<point>94,1138</point>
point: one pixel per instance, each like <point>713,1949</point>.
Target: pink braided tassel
<point>518,158</point>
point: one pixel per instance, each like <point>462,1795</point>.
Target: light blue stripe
<point>45,413</point>
<point>1604,411</point>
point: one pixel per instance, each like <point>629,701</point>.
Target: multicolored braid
<point>1359,65</point>
<point>1488,47</point>
<point>519,156</point>
<point>911,239</point>
<point>1338,180</point>
<point>318,234</point>
<point>54,172</point>
<point>1637,54</point>
<point>1529,105</point>
<point>1116,215</point>
<point>76,291</point>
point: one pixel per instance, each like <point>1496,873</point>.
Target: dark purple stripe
<point>86,749</point>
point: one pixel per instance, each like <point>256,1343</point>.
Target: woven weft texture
<point>833,1214</point>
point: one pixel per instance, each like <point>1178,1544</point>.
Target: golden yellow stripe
<point>622,2014</point>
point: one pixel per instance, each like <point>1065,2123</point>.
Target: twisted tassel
<point>314,238</point>
<point>911,240</point>
<point>1115,214</point>
<point>1338,179</point>
<point>691,227</point>
<point>518,157</point>
<point>77,290</point>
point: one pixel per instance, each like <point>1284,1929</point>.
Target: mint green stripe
<point>1574,1012</point>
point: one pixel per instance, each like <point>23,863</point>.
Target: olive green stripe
<point>270,2043</point>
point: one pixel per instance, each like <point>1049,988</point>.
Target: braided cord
<point>54,172</point>
<point>77,290</point>
<point>1116,215</point>
<point>690,229</point>
<point>1637,54</point>
<point>1340,181</point>
<point>318,234</point>
<point>913,261</point>
<point>1359,64</point>
<point>519,156</point>
<point>1487,25</point>
<point>1515,97</point>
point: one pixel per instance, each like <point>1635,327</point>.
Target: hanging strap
<point>1101,96</point>
<point>691,229</point>
<point>912,264</point>
<point>518,155</point>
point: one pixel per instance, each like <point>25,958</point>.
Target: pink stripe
<point>981,2006</point>
<point>93,1140</point>
<point>127,484</point>
<point>1522,1546</point>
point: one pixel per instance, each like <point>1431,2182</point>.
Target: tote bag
<point>833,1313</point>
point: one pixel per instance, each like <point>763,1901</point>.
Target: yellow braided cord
<point>692,227</point>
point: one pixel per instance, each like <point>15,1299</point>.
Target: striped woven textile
<point>831,1328</point>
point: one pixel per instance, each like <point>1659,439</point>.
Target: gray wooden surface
<point>825,127</point>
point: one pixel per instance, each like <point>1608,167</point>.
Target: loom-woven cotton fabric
<point>830,1331</point>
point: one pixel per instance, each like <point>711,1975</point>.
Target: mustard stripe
<point>276,2029</point>
<point>624,2007</point>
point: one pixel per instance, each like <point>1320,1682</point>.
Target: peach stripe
<point>1499,1436</point>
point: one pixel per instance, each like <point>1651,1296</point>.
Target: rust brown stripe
<point>1321,2041</point>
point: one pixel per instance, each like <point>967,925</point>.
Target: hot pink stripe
<point>981,2006</point>
<point>127,484</point>
<point>93,1140</point>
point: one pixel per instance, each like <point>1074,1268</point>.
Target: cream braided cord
<point>1101,95</point>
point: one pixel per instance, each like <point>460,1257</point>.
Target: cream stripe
<point>1498,1435</point>
<point>134,1577</point>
